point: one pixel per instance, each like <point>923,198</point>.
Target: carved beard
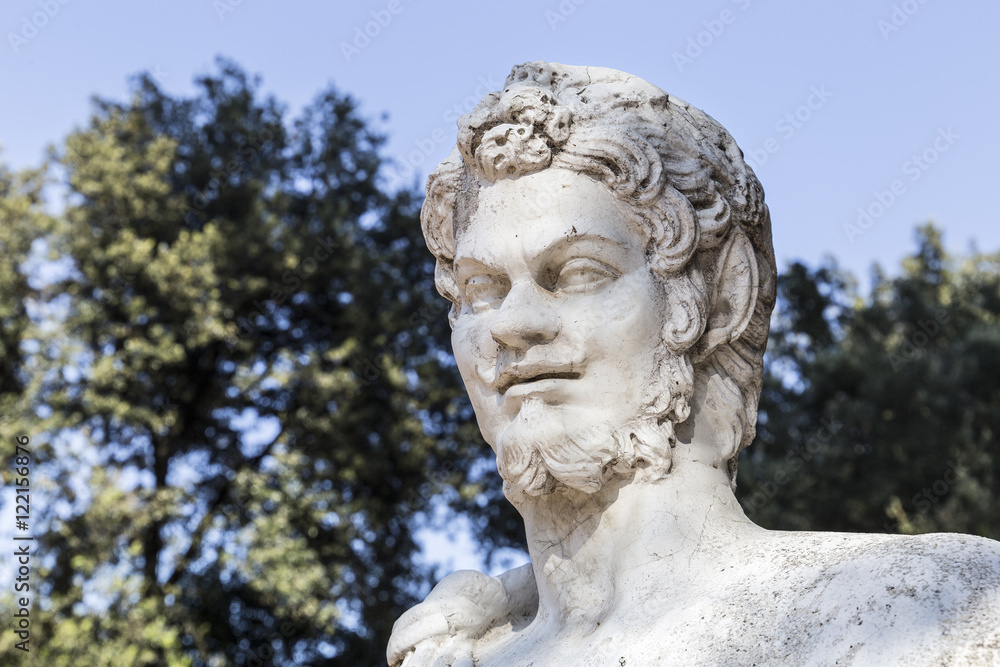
<point>540,451</point>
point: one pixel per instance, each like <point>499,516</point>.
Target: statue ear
<point>732,303</point>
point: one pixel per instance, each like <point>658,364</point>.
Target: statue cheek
<point>630,314</point>
<point>475,351</point>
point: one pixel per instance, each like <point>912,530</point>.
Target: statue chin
<point>541,451</point>
<point>537,454</point>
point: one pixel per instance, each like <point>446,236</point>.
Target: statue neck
<point>592,552</point>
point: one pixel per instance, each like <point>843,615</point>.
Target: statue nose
<point>525,318</point>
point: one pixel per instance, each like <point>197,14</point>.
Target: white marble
<point>608,255</point>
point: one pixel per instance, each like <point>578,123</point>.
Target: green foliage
<point>22,221</point>
<point>247,379</point>
<point>882,414</point>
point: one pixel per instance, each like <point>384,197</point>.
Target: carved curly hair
<point>677,167</point>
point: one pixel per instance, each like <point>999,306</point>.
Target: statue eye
<point>483,292</point>
<point>583,274</point>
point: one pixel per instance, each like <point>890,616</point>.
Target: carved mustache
<point>518,373</point>
<point>509,367</point>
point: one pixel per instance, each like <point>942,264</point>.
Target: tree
<point>22,221</point>
<point>246,381</point>
<point>882,413</point>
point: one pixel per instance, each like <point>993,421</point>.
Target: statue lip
<point>522,374</point>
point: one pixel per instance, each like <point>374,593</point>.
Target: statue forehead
<point>534,210</point>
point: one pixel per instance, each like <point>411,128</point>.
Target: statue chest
<point>745,629</point>
<point>670,639</point>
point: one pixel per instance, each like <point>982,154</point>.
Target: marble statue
<point>608,256</point>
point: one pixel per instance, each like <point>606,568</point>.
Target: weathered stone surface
<point>608,254</point>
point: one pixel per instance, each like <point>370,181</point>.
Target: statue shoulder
<point>956,579</point>
<point>957,565</point>
<point>939,568</point>
<point>937,594</point>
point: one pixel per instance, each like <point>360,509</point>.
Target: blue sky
<point>887,106</point>
<point>833,99</point>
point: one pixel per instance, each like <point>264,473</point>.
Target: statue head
<point>607,253</point>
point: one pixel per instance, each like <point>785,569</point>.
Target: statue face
<point>559,334</point>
